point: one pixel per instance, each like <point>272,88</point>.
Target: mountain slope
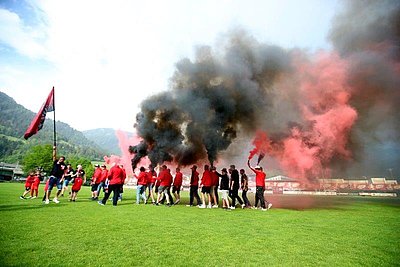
<point>14,120</point>
<point>105,138</point>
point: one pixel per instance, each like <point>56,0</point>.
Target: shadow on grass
<point>23,207</point>
<point>297,202</point>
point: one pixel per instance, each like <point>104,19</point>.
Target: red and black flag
<point>37,122</point>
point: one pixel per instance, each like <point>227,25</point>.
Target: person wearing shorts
<point>224,187</point>
<point>165,179</point>
<point>28,184</point>
<point>214,187</point>
<point>69,172</point>
<point>151,180</point>
<point>205,184</point>
<point>78,181</point>
<point>35,185</point>
<point>56,177</point>
<point>176,186</point>
<point>95,181</point>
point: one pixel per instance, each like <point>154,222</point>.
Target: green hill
<point>105,138</point>
<point>14,120</point>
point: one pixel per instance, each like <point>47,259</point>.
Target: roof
<point>281,178</point>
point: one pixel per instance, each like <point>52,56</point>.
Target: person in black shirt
<point>234,187</point>
<point>244,183</point>
<point>56,177</point>
<point>224,187</point>
<point>67,178</point>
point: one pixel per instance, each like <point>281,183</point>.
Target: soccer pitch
<point>329,231</point>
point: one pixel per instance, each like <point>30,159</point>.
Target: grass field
<point>318,231</point>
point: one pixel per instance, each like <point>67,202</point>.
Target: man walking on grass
<point>260,187</point>
<point>234,187</point>
<point>56,177</point>
<point>116,178</point>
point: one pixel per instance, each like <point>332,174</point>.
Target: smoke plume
<point>314,114</point>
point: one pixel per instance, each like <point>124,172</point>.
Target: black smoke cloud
<point>211,98</point>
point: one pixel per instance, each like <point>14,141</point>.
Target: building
<point>10,171</point>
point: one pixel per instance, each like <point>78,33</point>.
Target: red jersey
<point>36,182</point>
<point>97,176</point>
<point>260,178</point>
<point>214,178</point>
<point>77,184</point>
<point>142,178</point>
<point>29,181</point>
<point>124,175</point>
<point>116,175</point>
<point>165,178</point>
<point>206,179</point>
<point>194,179</point>
<point>149,178</point>
<point>103,176</point>
<point>178,179</point>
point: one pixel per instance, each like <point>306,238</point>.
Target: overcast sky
<point>105,57</point>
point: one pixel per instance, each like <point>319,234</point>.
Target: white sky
<point>105,57</point>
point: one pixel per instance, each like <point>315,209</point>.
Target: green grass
<point>317,231</point>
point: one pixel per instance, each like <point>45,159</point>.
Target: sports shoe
<point>21,197</point>
<point>243,206</point>
<point>55,200</point>
<point>232,208</point>
<point>100,203</point>
<point>202,206</point>
<point>253,207</point>
<point>47,201</point>
<point>188,205</point>
<point>269,206</point>
<point>209,206</point>
<point>264,209</point>
<point>33,197</point>
<point>215,206</point>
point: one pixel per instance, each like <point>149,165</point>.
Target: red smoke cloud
<point>307,149</point>
<point>124,142</point>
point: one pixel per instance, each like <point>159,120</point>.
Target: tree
<point>40,156</point>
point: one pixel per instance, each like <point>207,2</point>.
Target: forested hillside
<point>14,120</point>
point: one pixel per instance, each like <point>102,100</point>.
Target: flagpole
<point>54,121</point>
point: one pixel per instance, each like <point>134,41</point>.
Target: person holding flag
<point>56,177</point>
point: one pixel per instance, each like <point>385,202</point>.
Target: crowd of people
<point>159,188</point>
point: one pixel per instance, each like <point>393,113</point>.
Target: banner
<point>38,121</point>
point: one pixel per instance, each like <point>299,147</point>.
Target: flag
<point>37,122</point>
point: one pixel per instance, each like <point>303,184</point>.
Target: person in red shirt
<point>176,187</point>
<point>103,178</point>
<point>206,183</point>
<point>35,185</point>
<point>194,187</point>
<point>260,187</point>
<point>78,181</point>
<point>214,187</point>
<point>28,184</point>
<point>46,186</point>
<point>121,189</point>
<point>141,185</point>
<point>116,178</point>
<point>95,181</point>
<point>165,179</point>
<point>151,180</point>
